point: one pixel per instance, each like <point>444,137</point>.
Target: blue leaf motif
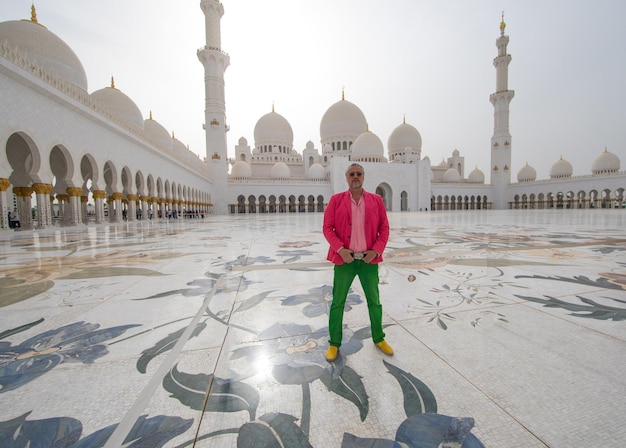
<point>418,398</point>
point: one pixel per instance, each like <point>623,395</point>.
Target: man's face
<point>355,177</point>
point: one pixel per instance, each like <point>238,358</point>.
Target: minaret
<point>215,63</point>
<point>501,139</point>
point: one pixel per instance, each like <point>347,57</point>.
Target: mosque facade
<point>70,157</point>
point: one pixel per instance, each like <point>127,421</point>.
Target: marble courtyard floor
<point>509,330</point>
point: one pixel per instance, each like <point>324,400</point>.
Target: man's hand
<point>369,256</point>
<point>346,255</point>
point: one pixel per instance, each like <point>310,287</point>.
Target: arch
<point>301,204</point>
<point>404,201</point>
<point>272,207</point>
<point>262,204</point>
<point>24,159</point>
<point>89,172</point>
<point>241,204</point>
<point>385,191</point>
<point>62,167</point>
<point>251,204</point>
<point>320,203</point>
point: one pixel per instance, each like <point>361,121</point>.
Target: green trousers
<point>344,275</point>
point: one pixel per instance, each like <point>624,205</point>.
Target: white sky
<point>430,60</point>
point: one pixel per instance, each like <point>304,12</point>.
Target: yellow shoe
<point>331,353</point>
<point>384,347</point>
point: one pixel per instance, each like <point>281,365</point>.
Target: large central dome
<point>342,119</point>
<point>273,129</point>
<point>44,48</point>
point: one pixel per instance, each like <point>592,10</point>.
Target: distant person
<point>357,229</point>
<point>14,220</point>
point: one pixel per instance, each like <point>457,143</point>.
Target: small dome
<point>119,105</point>
<point>367,145</point>
<point>45,49</point>
<point>443,164</point>
<point>273,129</point>
<point>157,133</point>
<point>605,163</point>
<point>280,170</point>
<point>562,168</point>
<point>310,145</point>
<point>342,119</point>
<point>476,176</point>
<point>243,141</point>
<point>456,153</point>
<point>402,137</point>
<point>451,175</point>
<point>317,171</point>
<point>527,174</point>
<point>241,170</point>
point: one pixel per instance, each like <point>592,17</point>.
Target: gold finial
<point>404,119</point>
<point>343,93</point>
<point>150,115</point>
<point>112,82</point>
<point>173,135</point>
<point>502,25</point>
<point>272,106</point>
<point>33,14</point>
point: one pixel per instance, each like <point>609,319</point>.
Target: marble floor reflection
<point>508,328</point>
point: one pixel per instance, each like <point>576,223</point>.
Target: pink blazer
<point>337,227</point>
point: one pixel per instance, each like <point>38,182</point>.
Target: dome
<point>342,119</point>
<point>243,141</point>
<point>367,145</point>
<point>562,168</point>
<point>310,145</point>
<point>456,153</point>
<point>157,133</point>
<point>44,48</point>
<point>404,136</point>
<point>451,175</point>
<point>280,170</point>
<point>119,105</point>
<point>442,164</point>
<point>527,174</point>
<point>476,176</point>
<point>178,145</point>
<point>241,169</point>
<point>317,171</point>
<point>606,162</point>
<point>273,129</point>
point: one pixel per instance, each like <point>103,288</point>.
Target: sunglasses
<point>355,174</point>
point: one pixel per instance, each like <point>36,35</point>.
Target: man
<point>357,229</point>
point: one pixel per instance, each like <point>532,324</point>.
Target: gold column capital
<point>144,198</point>
<point>74,191</point>
<point>4,184</point>
<point>154,199</point>
<point>99,194</point>
<point>131,197</point>
<point>42,188</point>
<point>84,199</point>
<point>117,196</point>
<point>63,197</point>
<point>22,191</point>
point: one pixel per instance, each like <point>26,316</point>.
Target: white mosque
<point>70,157</point>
